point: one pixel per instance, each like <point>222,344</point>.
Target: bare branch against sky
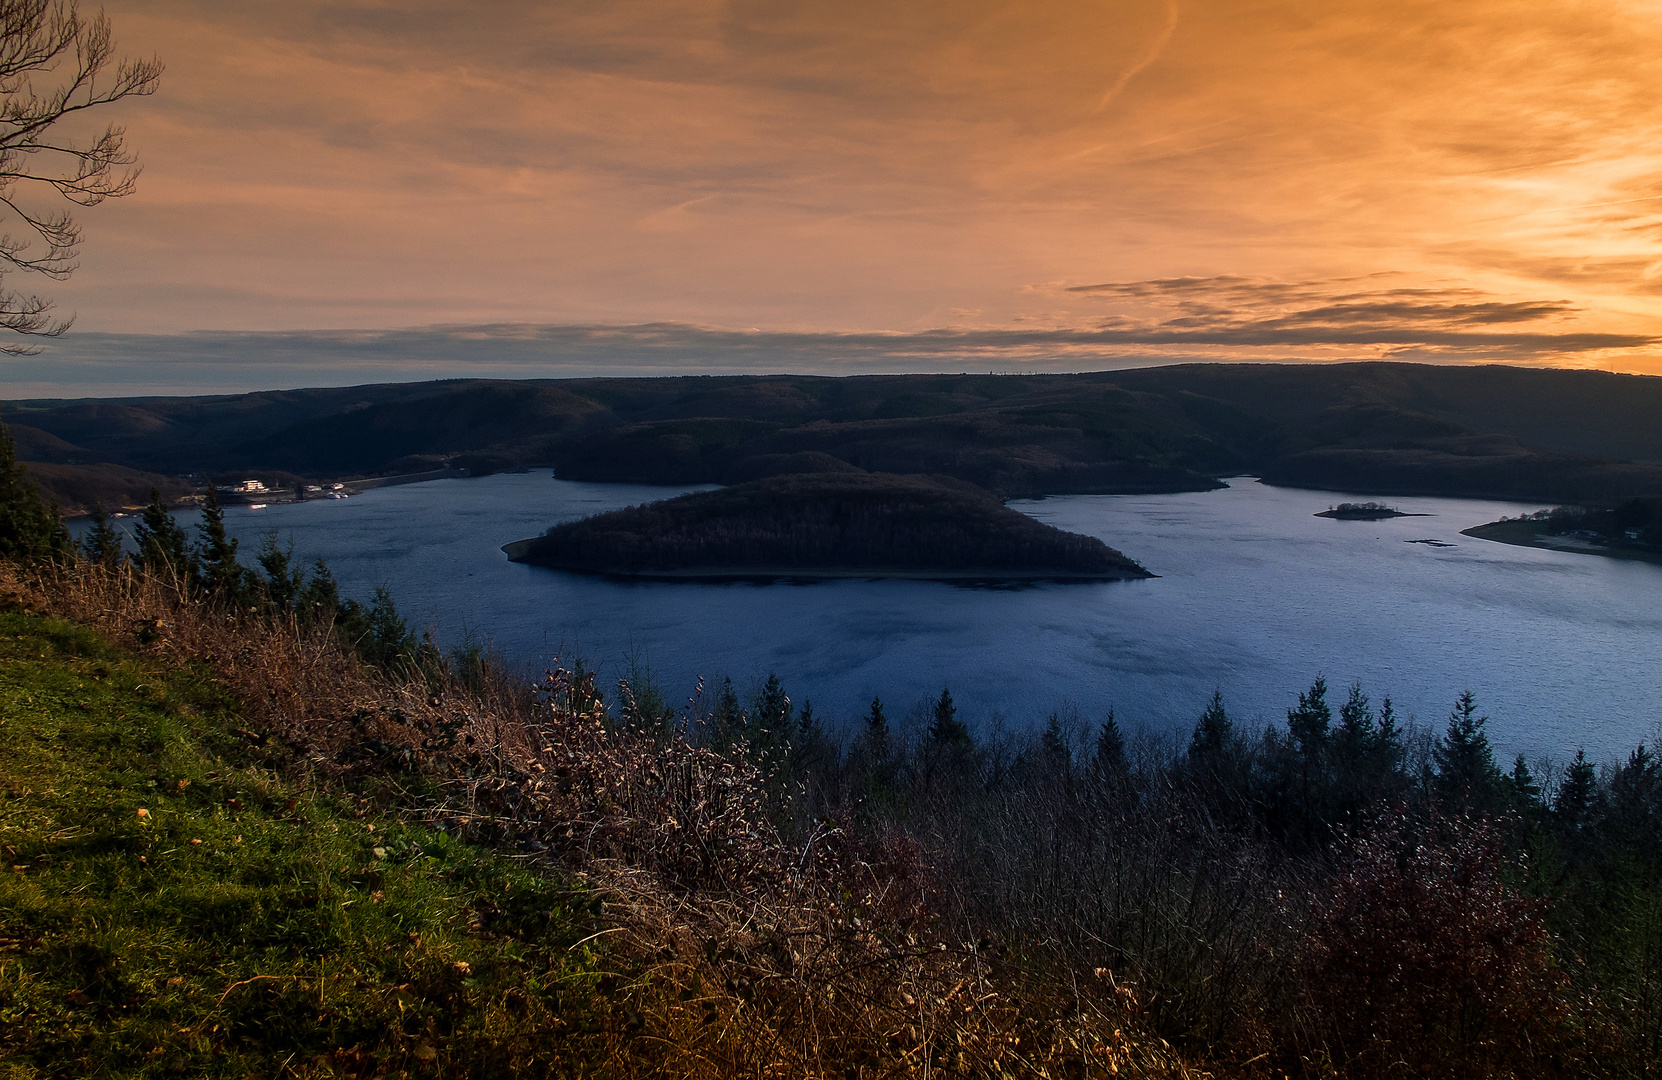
<point>1043,185</point>
<point>56,63</point>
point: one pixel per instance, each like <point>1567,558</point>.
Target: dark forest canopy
<point>1557,436</point>
<point>852,524</point>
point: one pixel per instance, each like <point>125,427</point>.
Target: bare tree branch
<point>55,63</point>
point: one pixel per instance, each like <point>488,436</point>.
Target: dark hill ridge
<point>827,525</point>
<point>1380,428</point>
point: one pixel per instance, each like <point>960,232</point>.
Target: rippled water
<point>1256,596</point>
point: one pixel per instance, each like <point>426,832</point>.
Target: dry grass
<point>751,956</point>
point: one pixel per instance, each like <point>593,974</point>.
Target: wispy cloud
<point>816,164</point>
<point>1458,322</point>
<point>1166,320</point>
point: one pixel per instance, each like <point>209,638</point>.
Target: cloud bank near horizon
<point>1157,321</point>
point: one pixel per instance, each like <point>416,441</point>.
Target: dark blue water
<point>1256,596</point>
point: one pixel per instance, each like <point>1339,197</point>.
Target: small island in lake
<point>1365,511</point>
<point>828,525</point>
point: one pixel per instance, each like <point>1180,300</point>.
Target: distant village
<point>253,490</point>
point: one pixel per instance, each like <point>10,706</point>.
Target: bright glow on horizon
<point>1265,180</point>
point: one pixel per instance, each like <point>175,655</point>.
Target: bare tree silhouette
<point>56,63</point>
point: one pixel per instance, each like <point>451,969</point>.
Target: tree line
<point>1346,881</point>
<point>207,565</point>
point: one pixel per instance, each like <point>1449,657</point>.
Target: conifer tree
<point>1110,746</point>
<point>1387,740</point>
<point>1635,794</point>
<point>319,598</point>
<point>946,729</point>
<point>284,583</point>
<point>1310,721</point>
<point>1055,740</point>
<point>101,543</point>
<point>216,553</point>
<point>1465,762</point>
<point>808,727</point>
<point>1524,790</point>
<point>771,709</point>
<point>877,730</point>
<point>809,747</point>
<point>393,644</point>
<point>31,529</point>
<point>773,706</point>
<point>729,721</point>
<point>377,633</point>
<point>1213,732</point>
<point>161,542</point>
<point>1577,793</point>
<point>1355,737</point>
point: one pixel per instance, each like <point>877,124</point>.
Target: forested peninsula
<point>827,525</point>
<point>1629,530</point>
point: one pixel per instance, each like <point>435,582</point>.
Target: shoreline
<point>1526,534</point>
<point>1334,515</point>
<point>515,550</point>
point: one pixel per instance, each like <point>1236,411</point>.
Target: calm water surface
<point>1255,597</point>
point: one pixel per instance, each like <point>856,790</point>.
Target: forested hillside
<point>1551,435</point>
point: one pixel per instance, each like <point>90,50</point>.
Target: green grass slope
<point>170,905</point>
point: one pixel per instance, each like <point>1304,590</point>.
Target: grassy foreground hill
<point>231,850</point>
<point>828,524</point>
<point>173,904</point>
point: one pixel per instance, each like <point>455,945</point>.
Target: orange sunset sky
<point>585,186</point>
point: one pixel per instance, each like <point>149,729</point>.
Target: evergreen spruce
<point>772,705</point>
<point>377,633</point>
<point>284,583</point>
<point>1310,721</point>
<point>877,730</point>
<point>729,722</point>
<point>1577,793</point>
<point>946,729</point>
<point>1635,795</point>
<point>319,599</point>
<point>1055,740</point>
<point>808,728</point>
<point>1387,741</point>
<point>1355,737</point>
<point>392,643</point>
<point>161,542</point>
<point>1525,791</point>
<point>31,529</point>
<point>1110,746</point>
<point>1465,762</point>
<point>219,572</point>
<point>811,751</point>
<point>771,733</point>
<point>1213,732</point>
<point>101,543</point>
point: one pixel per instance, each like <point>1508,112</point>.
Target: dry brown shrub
<point>1423,960</point>
<point>742,954</point>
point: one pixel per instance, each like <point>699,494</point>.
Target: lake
<point>1255,597</point>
